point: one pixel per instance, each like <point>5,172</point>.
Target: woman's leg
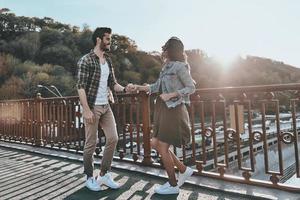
<point>180,166</point>
<point>168,162</point>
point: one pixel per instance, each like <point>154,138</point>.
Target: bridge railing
<point>242,134</point>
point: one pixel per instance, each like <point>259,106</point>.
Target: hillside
<point>251,70</point>
<point>43,51</point>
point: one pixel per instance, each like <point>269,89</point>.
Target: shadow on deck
<point>29,175</point>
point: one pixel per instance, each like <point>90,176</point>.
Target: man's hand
<point>89,116</point>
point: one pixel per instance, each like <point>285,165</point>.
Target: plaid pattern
<point>89,73</point>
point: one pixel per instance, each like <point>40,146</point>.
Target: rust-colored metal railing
<point>241,134</point>
<point>244,147</point>
<point>58,123</point>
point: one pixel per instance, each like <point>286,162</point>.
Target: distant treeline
<point>43,51</point>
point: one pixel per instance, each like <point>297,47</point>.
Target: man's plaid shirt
<point>89,73</point>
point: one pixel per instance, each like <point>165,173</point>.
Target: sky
<point>222,28</point>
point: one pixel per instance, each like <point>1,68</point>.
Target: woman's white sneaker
<point>167,189</point>
<point>160,187</point>
<point>108,181</point>
<point>183,177</point>
<point>92,184</point>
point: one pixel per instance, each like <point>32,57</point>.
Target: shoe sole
<point>94,190</point>
<point>166,193</point>
<point>114,188</point>
<point>100,183</point>
<point>109,186</point>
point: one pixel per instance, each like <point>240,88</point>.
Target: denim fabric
<point>175,77</point>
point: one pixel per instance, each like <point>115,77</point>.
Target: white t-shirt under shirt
<point>102,94</point>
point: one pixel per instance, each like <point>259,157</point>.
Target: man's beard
<point>104,48</point>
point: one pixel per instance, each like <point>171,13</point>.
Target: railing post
<point>1,120</point>
<point>39,115</point>
<point>146,128</point>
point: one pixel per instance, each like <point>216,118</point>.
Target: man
<point>96,79</point>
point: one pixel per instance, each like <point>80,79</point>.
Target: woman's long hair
<point>175,50</point>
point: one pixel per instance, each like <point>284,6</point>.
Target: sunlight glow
<point>226,60</point>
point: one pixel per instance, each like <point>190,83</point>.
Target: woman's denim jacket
<point>175,77</point>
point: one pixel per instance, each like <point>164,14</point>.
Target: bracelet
<point>124,89</point>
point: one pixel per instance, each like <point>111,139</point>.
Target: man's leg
<point>108,124</point>
<point>88,153</point>
<point>89,147</point>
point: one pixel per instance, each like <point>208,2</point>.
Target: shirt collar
<point>92,53</point>
<point>168,65</point>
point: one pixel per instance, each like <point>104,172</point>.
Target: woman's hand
<point>168,96</point>
<point>145,87</point>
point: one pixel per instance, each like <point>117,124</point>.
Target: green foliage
<point>58,55</point>
<point>23,68</point>
<point>42,51</point>
<point>25,46</point>
<point>245,71</point>
<point>132,76</point>
<point>30,86</point>
<point>12,88</point>
<point>66,85</point>
<point>20,80</point>
<point>84,41</point>
<point>124,44</point>
<point>12,26</point>
<point>42,78</point>
<point>58,70</point>
<point>50,37</point>
<point>7,63</point>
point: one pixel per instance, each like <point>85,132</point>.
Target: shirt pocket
<point>171,80</point>
<point>171,76</point>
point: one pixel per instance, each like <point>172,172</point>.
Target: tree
<point>84,41</point>
<point>50,37</point>
<point>123,44</point>
<point>12,26</point>
<point>7,64</point>
<point>25,47</point>
<point>58,55</point>
<point>12,88</point>
<point>4,10</point>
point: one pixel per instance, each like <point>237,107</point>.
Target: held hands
<point>145,87</point>
<point>130,88</point>
<point>136,88</point>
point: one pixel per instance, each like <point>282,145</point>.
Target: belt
<point>103,106</point>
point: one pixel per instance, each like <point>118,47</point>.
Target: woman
<point>171,119</point>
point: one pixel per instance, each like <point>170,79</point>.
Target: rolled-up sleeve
<point>112,79</point>
<point>154,87</point>
<point>187,80</point>
<point>82,74</point>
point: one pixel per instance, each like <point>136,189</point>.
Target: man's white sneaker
<point>108,181</point>
<point>183,177</point>
<point>160,187</point>
<point>92,184</point>
<point>167,189</point>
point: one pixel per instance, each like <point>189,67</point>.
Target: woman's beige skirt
<point>171,125</point>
